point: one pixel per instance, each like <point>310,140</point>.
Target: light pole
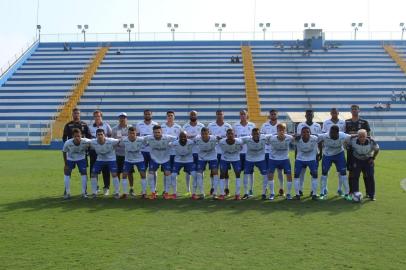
<point>220,28</point>
<point>402,25</point>
<point>356,26</point>
<point>264,27</point>
<point>128,27</point>
<point>173,27</point>
<point>39,32</point>
<point>83,28</point>
<point>309,25</point>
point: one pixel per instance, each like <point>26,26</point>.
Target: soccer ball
<point>357,197</point>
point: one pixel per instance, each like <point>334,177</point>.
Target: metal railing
<point>214,35</point>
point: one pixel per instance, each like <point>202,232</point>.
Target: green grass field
<point>38,230</point>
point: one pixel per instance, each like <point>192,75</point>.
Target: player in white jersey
<point>183,148</point>
<point>98,123</point>
<point>333,152</point>
<point>255,157</point>
<point>315,129</point>
<point>243,129</point>
<point>193,129</point>
<point>160,146</point>
<point>269,128</point>
<point>230,149</point>
<point>306,146</point>
<point>206,146</point>
<point>74,154</point>
<point>106,157</point>
<point>279,158</point>
<point>219,129</point>
<point>144,128</point>
<point>173,129</point>
<point>133,157</point>
<point>334,120</point>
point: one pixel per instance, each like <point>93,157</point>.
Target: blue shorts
<point>128,166</point>
<point>153,166</point>
<point>300,165</point>
<point>279,164</point>
<point>147,159</point>
<point>99,165</point>
<point>201,165</point>
<point>226,165</point>
<point>82,165</point>
<point>338,160</point>
<point>188,167</point>
<point>249,167</point>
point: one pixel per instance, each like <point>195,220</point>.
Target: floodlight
<point>306,25</point>
<point>86,26</point>
<point>261,25</point>
<point>268,25</point>
<point>131,25</point>
<point>125,25</point>
<point>223,25</point>
<point>313,25</point>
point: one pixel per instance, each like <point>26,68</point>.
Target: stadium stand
<point>198,75</point>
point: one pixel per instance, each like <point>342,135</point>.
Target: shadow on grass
<point>332,206</point>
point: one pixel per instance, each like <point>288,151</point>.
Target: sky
<point>19,19</point>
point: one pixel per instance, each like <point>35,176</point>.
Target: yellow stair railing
<point>251,90</point>
<point>396,57</point>
<point>64,111</point>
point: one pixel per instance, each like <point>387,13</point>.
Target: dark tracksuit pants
<point>369,178</point>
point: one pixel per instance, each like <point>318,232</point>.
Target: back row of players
<point>149,146</point>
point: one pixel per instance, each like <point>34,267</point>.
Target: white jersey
<point>230,152</point>
<point>279,149</point>
<point>174,131</point>
<point>206,150</point>
<point>307,151</point>
<point>144,129</point>
<point>192,132</point>
<point>329,123</point>
<point>269,129</point>
<point>76,152</point>
<point>106,127</point>
<point>183,153</point>
<point>133,149</point>
<point>243,131</point>
<point>315,128</point>
<point>255,150</point>
<point>219,131</point>
<point>333,147</point>
<point>119,132</point>
<point>106,151</point>
<point>160,149</point>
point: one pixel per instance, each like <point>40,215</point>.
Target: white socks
<point>187,183</point>
<point>66,180</point>
<point>344,180</point>
<point>323,183</point>
<point>168,181</point>
<point>199,180</point>
<point>143,186</point>
<point>296,182</point>
<point>84,184</point>
<point>151,180</point>
<point>222,182</point>
<point>237,186</point>
<point>245,183</point>
<point>215,184</point>
<point>93,182</point>
<point>302,177</point>
<point>271,186</point>
<point>289,186</point>
<point>264,184</point>
<point>116,185</point>
<point>124,183</point>
<point>315,183</point>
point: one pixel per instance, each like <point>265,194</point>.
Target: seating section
<point>292,79</point>
<point>177,76</point>
<point>185,76</point>
<point>30,98</point>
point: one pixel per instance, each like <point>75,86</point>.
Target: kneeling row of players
<point>309,148</point>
